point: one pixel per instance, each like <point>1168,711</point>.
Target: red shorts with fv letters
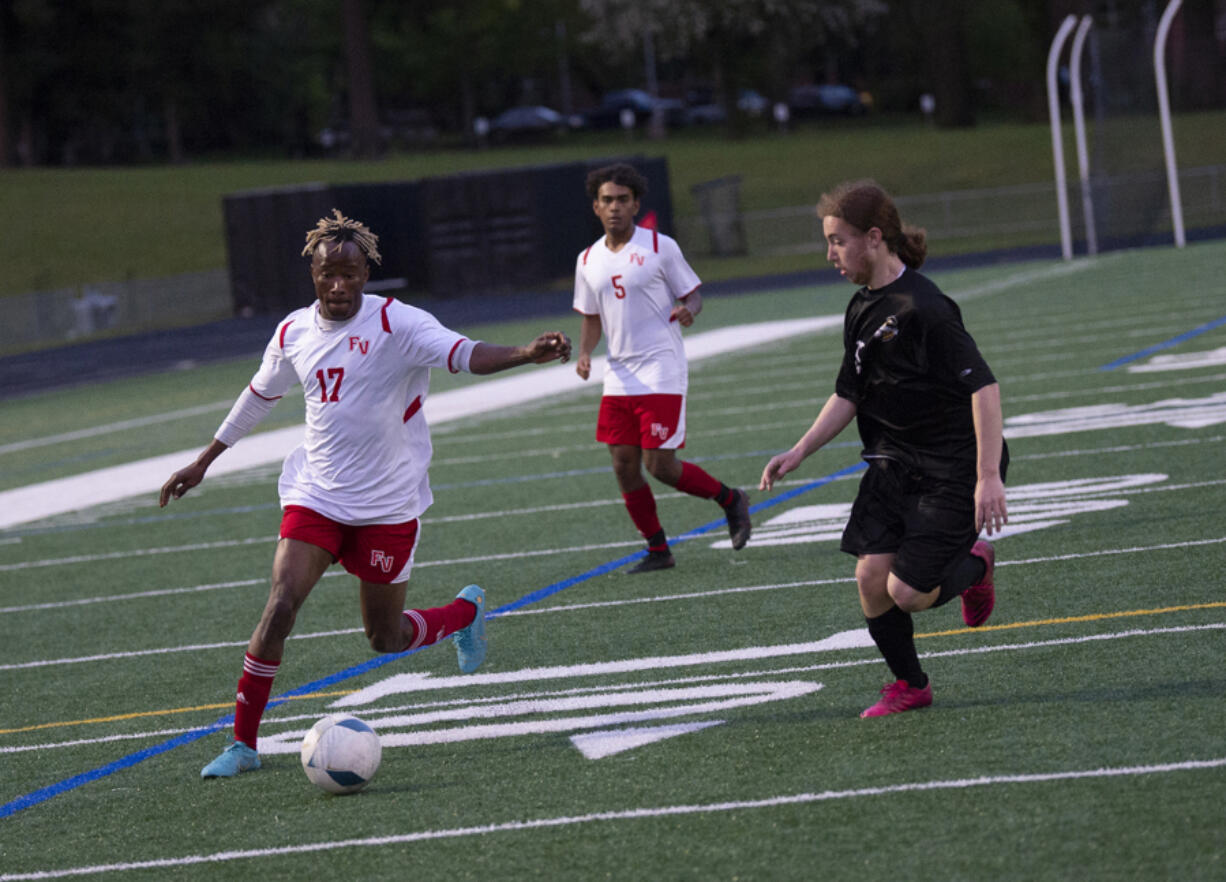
<point>647,421</point>
<point>379,553</point>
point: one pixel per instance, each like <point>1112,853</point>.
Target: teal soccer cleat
<point>236,758</point>
<point>470,642</point>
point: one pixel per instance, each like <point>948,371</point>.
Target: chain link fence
<point>1128,208</point>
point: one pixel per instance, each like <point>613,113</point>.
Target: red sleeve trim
<point>281,339</point>
<point>655,240</point>
<point>387,325</point>
<point>586,253</point>
<point>451,354</point>
<point>413,408</point>
<point>264,397</point>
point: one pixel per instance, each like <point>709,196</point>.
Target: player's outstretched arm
<point>490,358</point>
<point>834,417</point>
<point>187,478</point>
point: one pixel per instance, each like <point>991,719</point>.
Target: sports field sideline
<point>696,724</point>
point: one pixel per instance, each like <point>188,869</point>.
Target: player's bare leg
<point>641,505</point>
<point>297,567</point>
<point>892,630</point>
<point>664,466</point>
<point>392,628</point>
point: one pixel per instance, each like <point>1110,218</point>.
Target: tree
<point>739,42</point>
<point>4,85</point>
<point>941,25</point>
<point>363,109</point>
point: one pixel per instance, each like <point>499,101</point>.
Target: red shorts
<point>647,421</point>
<point>380,553</point>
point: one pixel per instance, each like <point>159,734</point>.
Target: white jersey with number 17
<point>633,290</point>
<point>367,446</point>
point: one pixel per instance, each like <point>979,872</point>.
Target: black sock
<point>893,632</point>
<point>657,541</point>
<point>725,496</point>
<point>965,574</point>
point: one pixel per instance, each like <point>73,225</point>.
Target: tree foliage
<point>107,81</point>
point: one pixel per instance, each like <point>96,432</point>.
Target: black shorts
<point>928,524</point>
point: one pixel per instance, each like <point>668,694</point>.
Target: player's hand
<point>682,315</point>
<point>779,465</point>
<point>550,346</point>
<point>180,482</point>
<point>583,367</point>
<point>991,513</point>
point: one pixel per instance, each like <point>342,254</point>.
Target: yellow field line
<point>1096,617</point>
<point>158,713</point>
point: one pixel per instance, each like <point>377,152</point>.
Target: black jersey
<point>910,367</point>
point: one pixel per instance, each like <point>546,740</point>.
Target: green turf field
<point>700,723</point>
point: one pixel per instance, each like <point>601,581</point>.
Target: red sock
<point>254,687</point>
<point>697,482</point>
<point>642,507</point>
<point>425,626</point>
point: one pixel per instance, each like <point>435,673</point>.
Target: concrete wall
<point>42,318</point>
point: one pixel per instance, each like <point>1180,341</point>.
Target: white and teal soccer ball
<point>341,754</point>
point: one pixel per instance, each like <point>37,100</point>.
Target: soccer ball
<point>341,754</point>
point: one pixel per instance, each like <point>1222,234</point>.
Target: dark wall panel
<point>480,233</point>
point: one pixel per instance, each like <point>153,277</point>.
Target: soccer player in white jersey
<point>634,285</point>
<point>353,492</point>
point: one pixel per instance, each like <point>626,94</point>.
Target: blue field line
<point>542,593</point>
<point>1166,344</point>
<point>45,793</point>
<point>68,784</point>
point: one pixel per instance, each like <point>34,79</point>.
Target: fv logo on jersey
<point>382,560</point>
<point>359,344</point>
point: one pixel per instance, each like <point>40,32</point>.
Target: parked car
<point>527,122</point>
<point>752,102</point>
<point>825,99</point>
<point>704,114</point>
<point>608,114</point>
<point>405,129</point>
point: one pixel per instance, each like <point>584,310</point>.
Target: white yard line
<point>636,813</point>
<point>37,501</point>
<point>121,426</point>
<point>24,504</point>
<point>687,598</point>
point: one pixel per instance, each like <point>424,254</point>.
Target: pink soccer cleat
<point>897,697</point>
<point>979,600</point>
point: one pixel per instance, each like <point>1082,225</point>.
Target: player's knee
<point>663,471</point>
<point>385,641</point>
<point>871,579</point>
<point>626,468</point>
<point>907,598</point>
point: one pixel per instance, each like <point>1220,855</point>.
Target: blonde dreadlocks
<point>338,229</point>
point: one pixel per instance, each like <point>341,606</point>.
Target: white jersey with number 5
<point>633,291</point>
<point>365,379</point>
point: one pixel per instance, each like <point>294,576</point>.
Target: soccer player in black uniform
<point>928,411</point>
